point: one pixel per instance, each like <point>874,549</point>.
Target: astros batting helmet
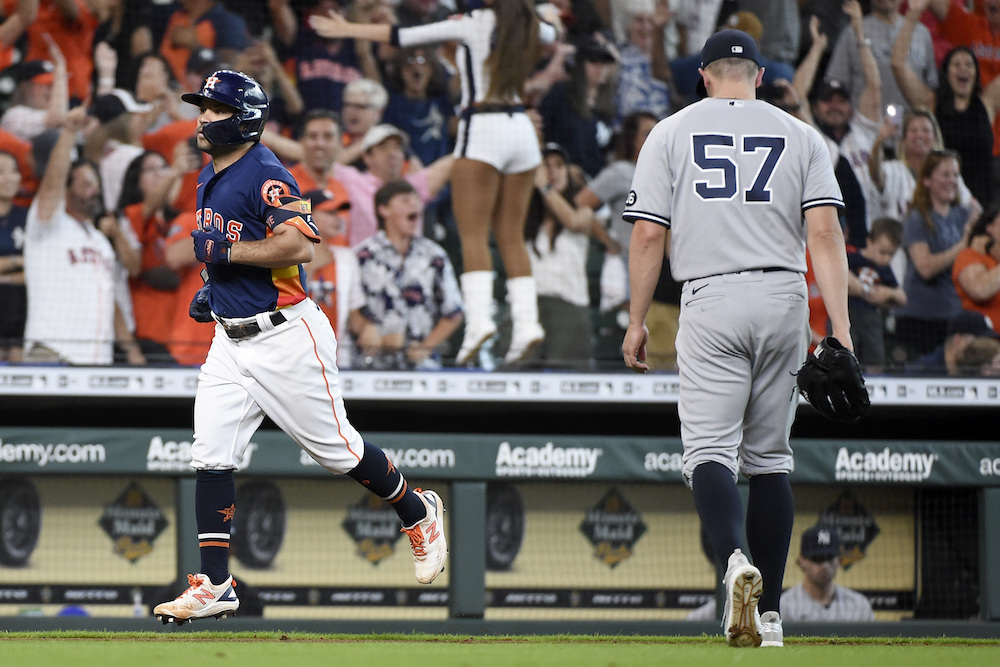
<point>244,96</point>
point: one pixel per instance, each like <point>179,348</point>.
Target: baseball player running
<point>728,180</point>
<point>274,351</point>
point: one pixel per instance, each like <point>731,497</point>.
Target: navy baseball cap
<point>825,90</point>
<point>553,148</point>
<point>820,541</point>
<point>729,44</point>
<point>972,323</point>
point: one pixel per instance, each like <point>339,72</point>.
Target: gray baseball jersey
<point>731,179</point>
<point>847,605</point>
<point>699,162</point>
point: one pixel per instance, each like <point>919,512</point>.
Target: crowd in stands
<point>98,170</point>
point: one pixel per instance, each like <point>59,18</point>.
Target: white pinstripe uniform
<point>504,139</point>
<point>731,179</point>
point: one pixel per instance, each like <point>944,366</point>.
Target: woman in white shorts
<point>497,152</point>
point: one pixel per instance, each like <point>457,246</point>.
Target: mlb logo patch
<point>737,49</point>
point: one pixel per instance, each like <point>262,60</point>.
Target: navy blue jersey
<point>870,274</point>
<point>323,68</point>
<point>12,231</point>
<point>246,201</point>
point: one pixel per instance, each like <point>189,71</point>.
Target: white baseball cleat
<point>744,586</point>
<point>202,599</point>
<point>771,633</point>
<point>427,539</point>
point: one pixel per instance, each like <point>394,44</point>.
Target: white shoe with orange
<point>202,599</point>
<point>427,541</point>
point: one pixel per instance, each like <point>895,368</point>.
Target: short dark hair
<point>890,228</point>
<point>630,130</point>
<point>313,114</point>
<point>386,193</point>
<point>79,164</point>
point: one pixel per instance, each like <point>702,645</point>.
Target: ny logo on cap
<point>211,81</point>
<point>737,49</point>
<point>823,537</point>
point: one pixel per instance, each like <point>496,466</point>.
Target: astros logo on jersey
<point>273,190</point>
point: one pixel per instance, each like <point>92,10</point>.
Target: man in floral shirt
<point>410,286</point>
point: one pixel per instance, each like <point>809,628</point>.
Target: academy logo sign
<point>172,456</point>
<point>133,522</point>
<point>546,461</point>
<point>374,527</point>
<point>884,466</point>
<point>613,527</point>
<point>43,454</point>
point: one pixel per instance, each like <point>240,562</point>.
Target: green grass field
<point>247,649</point>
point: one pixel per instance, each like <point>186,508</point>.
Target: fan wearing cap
<point>116,141</point>
<point>384,155</point>
<point>334,275</point>
<point>41,98</point>
<point>964,328</point>
<point>735,190</point>
<point>579,113</point>
<point>849,131</point>
<point>818,598</point>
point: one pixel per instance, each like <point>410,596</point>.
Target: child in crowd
<point>873,290</point>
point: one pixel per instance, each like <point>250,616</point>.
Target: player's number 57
<point>758,192</point>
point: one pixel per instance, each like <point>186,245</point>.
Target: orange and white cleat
<point>202,599</point>
<point>430,549</point>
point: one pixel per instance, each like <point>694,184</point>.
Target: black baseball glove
<point>831,381</point>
